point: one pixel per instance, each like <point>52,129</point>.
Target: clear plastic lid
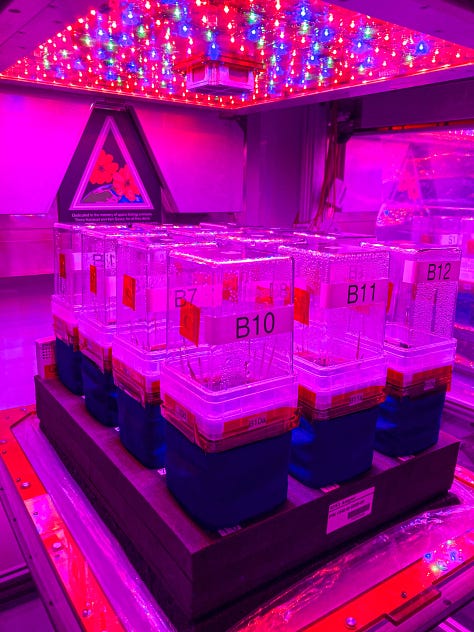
<point>418,361</point>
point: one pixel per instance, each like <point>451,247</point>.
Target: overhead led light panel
<point>147,49</point>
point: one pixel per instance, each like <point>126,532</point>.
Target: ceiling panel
<point>162,50</point>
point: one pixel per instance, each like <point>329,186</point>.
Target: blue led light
<point>326,34</point>
<point>131,15</point>
<point>213,51</point>
<point>422,48</point>
<point>254,33</point>
<point>124,40</point>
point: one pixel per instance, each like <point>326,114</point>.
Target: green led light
<point>368,32</point>
<point>253,17</point>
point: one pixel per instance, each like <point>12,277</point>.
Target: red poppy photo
<point>112,180</point>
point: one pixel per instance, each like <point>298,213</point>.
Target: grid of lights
<point>306,46</point>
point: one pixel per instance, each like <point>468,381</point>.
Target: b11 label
<point>335,295</point>
<point>233,328</point>
<point>431,271</point>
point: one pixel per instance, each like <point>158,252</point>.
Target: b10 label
<point>334,295</point>
<point>244,326</point>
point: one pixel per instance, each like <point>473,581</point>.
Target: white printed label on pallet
<point>350,509</point>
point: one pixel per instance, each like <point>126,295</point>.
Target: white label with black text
<point>350,509</point>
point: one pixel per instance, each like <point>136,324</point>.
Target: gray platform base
<point>207,581</point>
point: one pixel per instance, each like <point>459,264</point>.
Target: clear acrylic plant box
<point>340,302</point>
<point>229,379</point>
<point>423,286</point>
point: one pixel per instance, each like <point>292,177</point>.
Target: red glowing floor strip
<point>401,595</point>
<point>465,476</point>
<point>92,607</point>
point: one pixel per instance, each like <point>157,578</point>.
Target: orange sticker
<point>263,419</point>
<point>62,265</point>
<point>93,278</point>
<point>358,399</point>
<point>263,295</point>
<point>189,322</point>
<point>306,397</point>
<point>141,388</point>
<point>230,287</point>
<point>389,297</point>
<point>234,432</point>
<point>420,383</point>
<point>470,247</point>
<point>129,291</point>
<point>50,371</point>
<point>302,306</point>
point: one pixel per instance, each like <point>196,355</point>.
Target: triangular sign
<point>111,178</point>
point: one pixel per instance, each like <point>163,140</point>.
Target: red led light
<point>138,48</point>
